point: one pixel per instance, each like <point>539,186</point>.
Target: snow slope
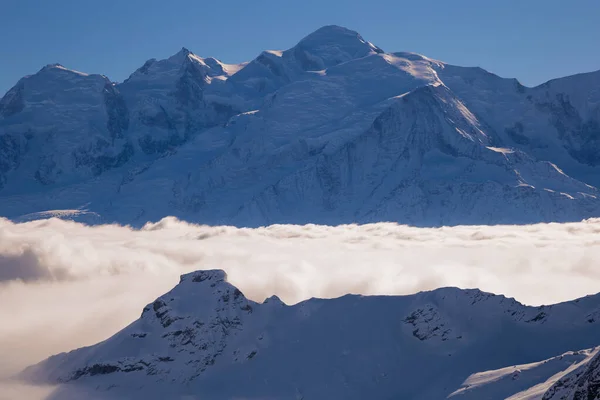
<point>582,382</point>
<point>570,376</point>
<point>533,381</point>
<point>204,335</point>
<point>332,130</point>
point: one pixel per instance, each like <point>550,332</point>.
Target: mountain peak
<point>213,276</point>
<point>334,35</point>
<point>331,30</point>
<point>331,45</point>
<point>181,55</point>
<point>56,67</point>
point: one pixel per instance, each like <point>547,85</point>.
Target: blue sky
<point>531,40</point>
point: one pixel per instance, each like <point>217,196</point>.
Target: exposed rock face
<point>13,103</point>
<point>62,126</point>
<point>117,112</point>
<point>10,154</point>
<point>581,384</point>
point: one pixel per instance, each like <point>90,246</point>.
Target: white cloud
<point>65,285</point>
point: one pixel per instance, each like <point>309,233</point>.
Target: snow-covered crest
<point>205,330</point>
<point>295,136</point>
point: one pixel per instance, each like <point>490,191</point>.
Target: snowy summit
<point>333,130</point>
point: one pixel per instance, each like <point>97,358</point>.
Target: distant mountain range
<point>333,130</point>
<point>206,340</point>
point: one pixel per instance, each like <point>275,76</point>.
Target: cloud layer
<point>64,285</point>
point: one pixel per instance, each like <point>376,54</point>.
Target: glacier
<point>333,130</point>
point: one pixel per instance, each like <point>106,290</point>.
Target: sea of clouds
<point>65,285</point>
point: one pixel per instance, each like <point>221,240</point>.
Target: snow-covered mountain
<point>206,340</point>
<point>333,130</point>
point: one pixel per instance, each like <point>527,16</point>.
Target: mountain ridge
<point>205,332</point>
<point>251,144</point>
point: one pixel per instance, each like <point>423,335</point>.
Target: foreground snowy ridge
<point>204,335</point>
<point>563,377</point>
<point>333,130</point>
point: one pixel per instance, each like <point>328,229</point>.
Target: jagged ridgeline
<point>204,339</point>
<point>333,130</point>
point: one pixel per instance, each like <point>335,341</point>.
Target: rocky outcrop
<point>581,384</point>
